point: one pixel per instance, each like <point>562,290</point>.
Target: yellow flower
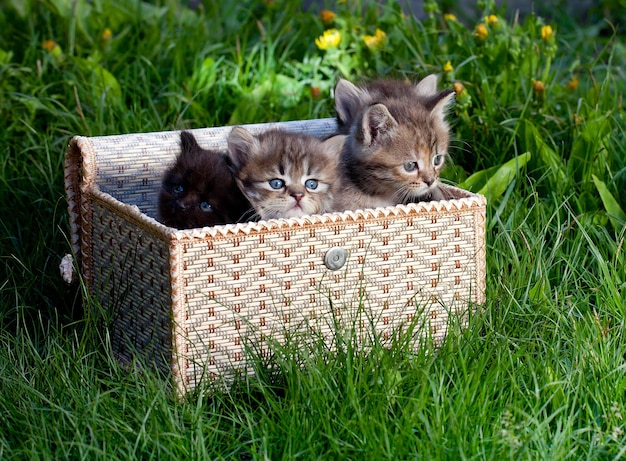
<point>481,31</point>
<point>49,45</point>
<point>447,67</point>
<point>330,39</point>
<point>538,87</point>
<point>577,119</point>
<point>458,88</point>
<point>327,16</point>
<point>315,92</point>
<point>491,20</point>
<point>572,84</point>
<point>53,48</point>
<point>106,35</point>
<point>546,33</point>
<point>374,41</point>
<point>449,17</point>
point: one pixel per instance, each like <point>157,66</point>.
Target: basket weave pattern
<point>193,300</point>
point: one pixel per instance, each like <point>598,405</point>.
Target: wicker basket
<point>194,301</point>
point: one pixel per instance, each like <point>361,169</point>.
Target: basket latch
<point>335,258</point>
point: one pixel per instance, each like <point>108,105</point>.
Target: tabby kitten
<point>199,189</point>
<point>396,144</point>
<point>285,174</point>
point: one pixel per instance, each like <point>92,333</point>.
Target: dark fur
<point>204,177</point>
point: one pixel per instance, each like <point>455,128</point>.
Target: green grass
<point>538,374</point>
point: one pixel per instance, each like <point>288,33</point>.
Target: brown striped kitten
<point>199,189</point>
<point>285,174</point>
<point>396,144</point>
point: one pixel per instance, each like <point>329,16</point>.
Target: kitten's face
<point>199,189</point>
<point>284,174</point>
<point>397,161</point>
<point>396,149</point>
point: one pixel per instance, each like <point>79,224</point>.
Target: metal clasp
<point>335,258</point>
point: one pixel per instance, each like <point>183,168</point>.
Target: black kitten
<point>199,189</point>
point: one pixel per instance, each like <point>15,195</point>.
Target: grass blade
<point>613,210</point>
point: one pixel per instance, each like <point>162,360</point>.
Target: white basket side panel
<point>273,284</point>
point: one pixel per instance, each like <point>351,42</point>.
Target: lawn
<point>539,373</point>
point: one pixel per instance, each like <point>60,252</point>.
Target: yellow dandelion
<point>491,20</point>
<point>449,17</point>
<point>315,92</point>
<point>481,31</point>
<point>376,40</point>
<point>53,48</point>
<point>577,119</point>
<point>546,33</point>
<point>538,87</point>
<point>330,39</point>
<point>327,16</point>
<point>458,88</point>
<point>447,67</point>
<point>49,45</point>
<point>572,84</point>
<point>106,35</point>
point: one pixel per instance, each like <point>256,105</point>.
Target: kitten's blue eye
<point>277,183</point>
<point>178,189</point>
<point>437,160</point>
<point>311,184</point>
<point>206,207</point>
<point>410,166</point>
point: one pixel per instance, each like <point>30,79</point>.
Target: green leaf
<point>498,182</point>
<point>279,91</point>
<point>588,155</point>
<point>5,56</point>
<point>249,107</point>
<point>21,6</point>
<point>288,90</point>
<point>103,83</point>
<point>454,173</point>
<point>478,180</point>
<point>533,142</point>
<point>73,10</point>
<point>204,76</point>
<point>612,207</point>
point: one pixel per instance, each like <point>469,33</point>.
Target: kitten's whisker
<point>403,195</point>
<point>249,215</point>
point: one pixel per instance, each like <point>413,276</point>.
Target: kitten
<point>396,144</point>
<point>199,189</point>
<point>285,174</point>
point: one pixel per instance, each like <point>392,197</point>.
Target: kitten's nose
<point>181,206</point>
<point>298,196</point>
<point>429,180</point>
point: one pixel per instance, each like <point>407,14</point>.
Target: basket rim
<point>452,206</point>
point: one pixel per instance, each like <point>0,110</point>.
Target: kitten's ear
<point>438,104</point>
<point>241,143</point>
<point>334,145</point>
<point>427,86</point>
<point>188,142</point>
<point>348,99</point>
<point>377,124</point>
